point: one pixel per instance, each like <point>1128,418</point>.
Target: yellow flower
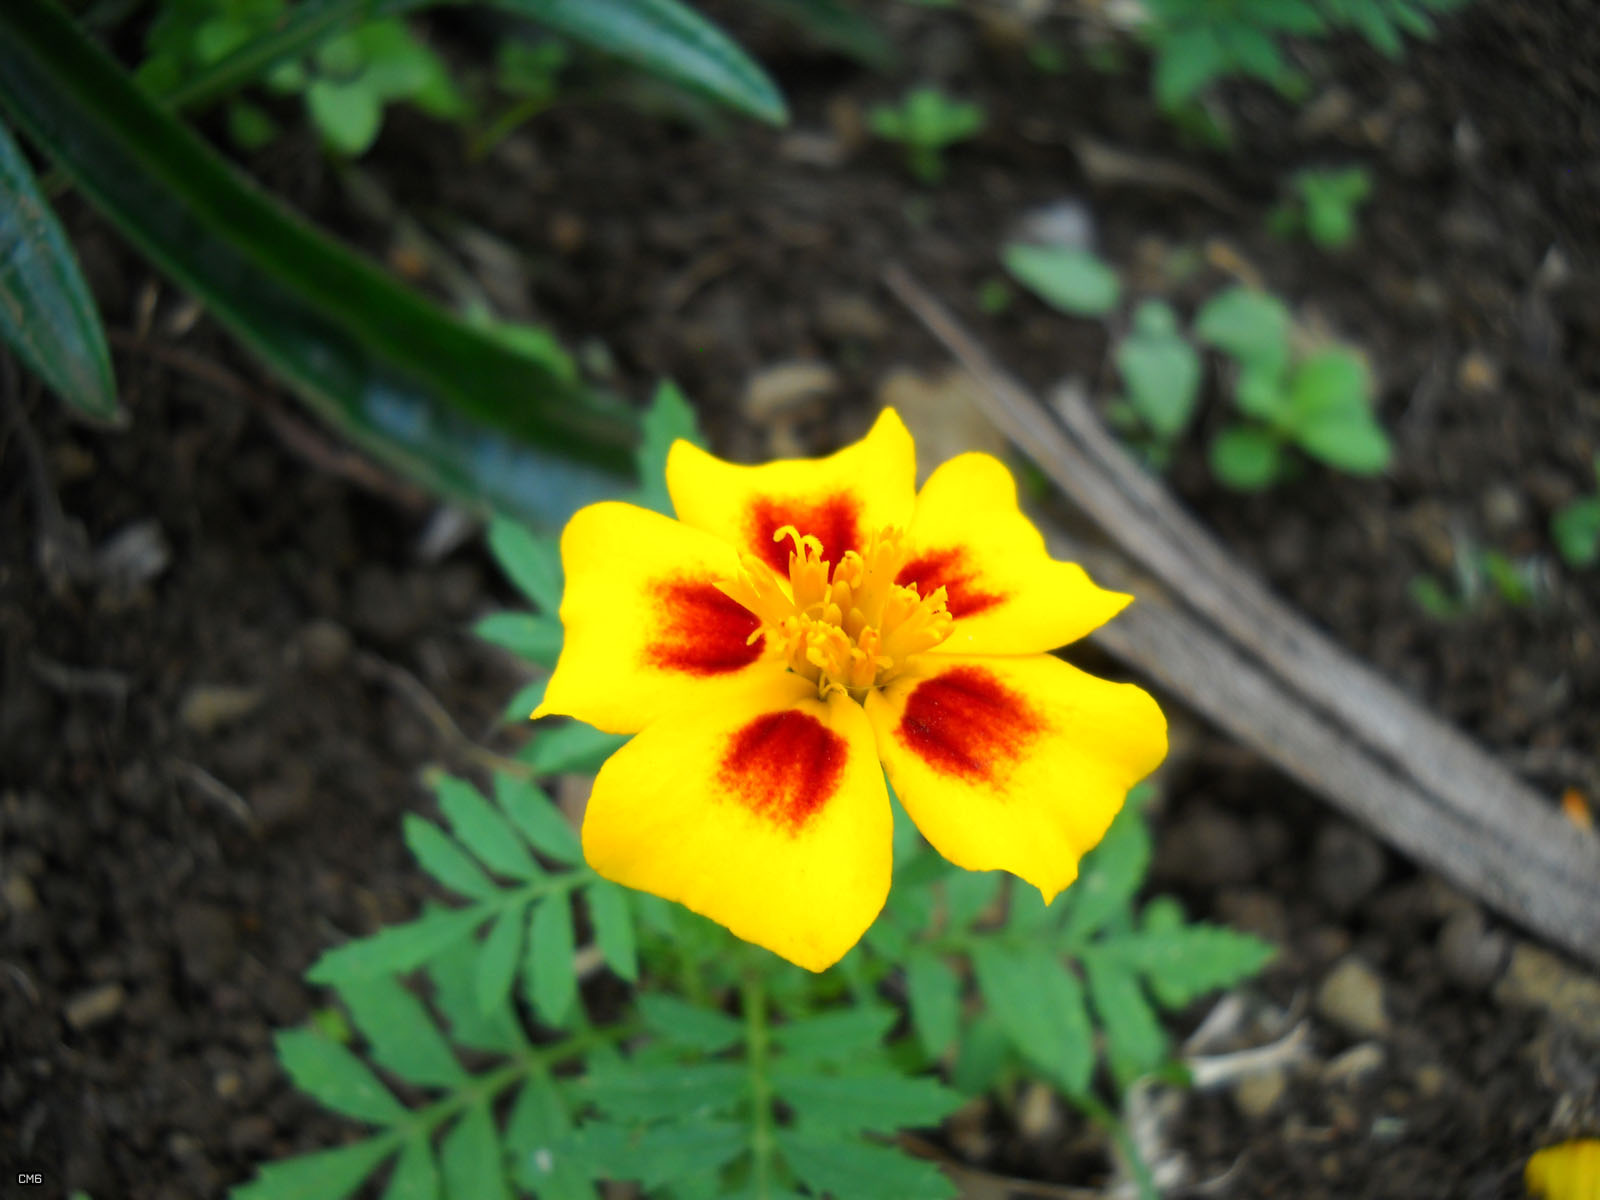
<point>1569,1171</point>
<point>805,626</point>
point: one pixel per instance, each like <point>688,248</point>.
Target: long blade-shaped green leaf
<point>663,37</point>
<point>46,312</point>
<point>458,410</point>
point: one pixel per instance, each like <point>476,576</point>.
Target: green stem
<point>762,1143</point>
<point>1126,1147</point>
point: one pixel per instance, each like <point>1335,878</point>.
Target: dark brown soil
<point>170,871</point>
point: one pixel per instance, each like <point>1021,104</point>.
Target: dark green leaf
<point>535,638</point>
<point>572,746</point>
<point>400,1034</point>
<point>1073,281</point>
<point>474,1165</point>
<point>1356,444</point>
<point>838,1036</point>
<point>455,973</point>
<point>1246,458</point>
<point>323,1175</point>
<point>613,928</point>
<point>1135,1041</point>
<point>628,1092</point>
<point>840,26</point>
<point>542,1153</point>
<point>1109,877</point>
<point>416,1176</point>
<point>688,1025</point>
<point>336,1078</point>
<point>982,1054</point>
<point>967,896</point>
<point>46,312</point>
<point>398,948</point>
<point>1250,325</point>
<point>482,829</point>
<point>552,980</point>
<point>538,819</point>
<point>443,857</point>
<point>669,418</point>
<point>497,963</point>
<point>1040,1006</point>
<point>880,1102</point>
<point>672,1153</point>
<point>857,1171</point>
<point>529,696</point>
<point>444,402</point>
<point>1183,962</point>
<point>531,561</point>
<point>935,995</point>
<point>1186,61</point>
<point>1576,531</point>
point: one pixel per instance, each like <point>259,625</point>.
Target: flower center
<point>848,627</point>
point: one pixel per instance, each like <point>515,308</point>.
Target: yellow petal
<point>768,815</point>
<point>1569,1171</point>
<point>1007,594</point>
<point>840,499</point>
<point>647,632</point>
<point>1015,764</point>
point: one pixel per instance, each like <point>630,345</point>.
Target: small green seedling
<point>925,122</point>
<point>1324,203</point>
<point>1321,403</point>
<point>1576,528</point>
<point>1481,574</point>
<point>1067,278</point>
<point>994,296</point>
<point>1161,371</point>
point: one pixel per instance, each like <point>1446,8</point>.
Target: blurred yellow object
<point>1569,1171</point>
<point>1577,809</point>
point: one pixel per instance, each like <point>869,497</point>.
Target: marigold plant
<point>801,630</point>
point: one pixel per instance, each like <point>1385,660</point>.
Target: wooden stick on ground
<point>1215,637</point>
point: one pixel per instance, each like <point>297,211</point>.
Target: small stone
<point>1472,953</point>
<point>1477,372</point>
<point>324,646</point>
<point>785,389</point>
<point>97,1004</point>
<point>1257,1095</point>
<point>1252,910</point>
<point>1504,508</point>
<point>1355,1065</point>
<point>850,316</point>
<point>1537,978</point>
<point>1038,1117</point>
<point>226,1083</point>
<point>1352,998</point>
<point>568,232</point>
<point>1431,1080</point>
<point>1347,866</point>
<point>208,707</point>
<point>19,895</point>
<point>208,943</point>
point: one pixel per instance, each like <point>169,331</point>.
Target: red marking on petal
<point>784,766</point>
<point>701,631</point>
<point>967,723</point>
<point>952,570</point>
<point>835,521</point>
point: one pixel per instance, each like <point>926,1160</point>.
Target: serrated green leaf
<point>400,1034</point>
<point>1575,530</point>
<point>397,949</point>
<point>528,697</point>
<point>836,1036</point>
<point>454,973</point>
<point>858,1171</point>
<point>967,896</point>
<point>613,928</point>
<point>47,314</point>
<point>531,561</point>
<point>416,1176</point>
<point>669,418</point>
<point>664,1154</point>
<point>483,830</point>
<point>1246,458</point>
<point>550,977</point>
<point>1040,1006</point>
<point>1135,1041</point>
<point>496,968</point>
<point>1072,280</point>
<point>688,1025</point>
<point>1183,962</point>
<point>1108,878</point>
<point>1186,61</point>
<point>859,1103</point>
<point>336,1078</point>
<point>982,1054</point>
<point>571,746</point>
<point>445,859</point>
<point>629,1092</point>
<point>1250,325</point>
<point>935,995</point>
<point>472,1161</point>
<point>538,819</point>
<point>322,1175</point>
<point>536,638</point>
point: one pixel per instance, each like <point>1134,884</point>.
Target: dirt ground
<point>204,753</point>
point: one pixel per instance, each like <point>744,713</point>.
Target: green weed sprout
<point>1324,203</point>
<point>1161,371</point>
<point>1069,279</point>
<point>925,122</point>
<point>1576,528</point>
<point>1321,403</point>
<point>485,1056</point>
<point>1482,574</point>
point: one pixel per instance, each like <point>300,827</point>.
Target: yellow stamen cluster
<point>849,627</point>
